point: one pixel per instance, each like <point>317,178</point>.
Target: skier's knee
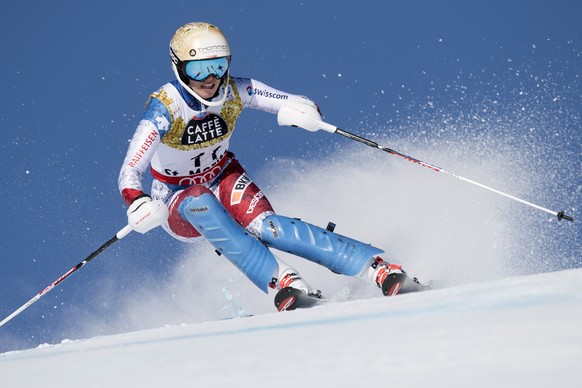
<point>205,212</point>
<point>178,223</point>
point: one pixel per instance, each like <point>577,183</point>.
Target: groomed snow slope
<point>515,332</point>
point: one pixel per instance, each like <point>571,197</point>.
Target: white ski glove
<point>144,214</point>
<point>302,113</point>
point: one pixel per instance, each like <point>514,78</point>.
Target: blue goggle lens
<point>201,69</point>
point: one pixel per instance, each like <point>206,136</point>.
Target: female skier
<point>200,190</point>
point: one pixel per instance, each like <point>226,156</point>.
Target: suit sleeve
<point>257,95</point>
<point>141,150</point>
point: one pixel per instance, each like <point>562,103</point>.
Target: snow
<point>522,331</point>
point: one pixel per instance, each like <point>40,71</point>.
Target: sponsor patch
<point>267,93</point>
<point>273,229</point>
<point>254,202</point>
<point>240,186</point>
<point>198,209</point>
<point>204,128</point>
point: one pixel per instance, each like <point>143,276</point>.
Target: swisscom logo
<point>266,93</point>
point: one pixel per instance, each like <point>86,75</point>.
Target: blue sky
<point>503,77</point>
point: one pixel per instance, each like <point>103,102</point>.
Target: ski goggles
<point>201,69</point>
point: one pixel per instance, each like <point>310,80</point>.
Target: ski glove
<point>144,214</point>
<point>302,113</point>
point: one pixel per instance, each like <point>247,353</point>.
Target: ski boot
<point>393,280</point>
<point>294,293</point>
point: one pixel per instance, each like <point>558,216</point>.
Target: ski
<point>289,298</point>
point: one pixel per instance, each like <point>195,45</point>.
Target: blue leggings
<point>251,256</point>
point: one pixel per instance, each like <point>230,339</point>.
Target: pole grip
<point>124,232</point>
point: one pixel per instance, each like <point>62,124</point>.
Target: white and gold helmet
<point>198,50</point>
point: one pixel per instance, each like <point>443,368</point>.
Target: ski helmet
<point>198,41</point>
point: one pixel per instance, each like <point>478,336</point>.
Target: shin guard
<point>247,253</point>
<point>338,253</point>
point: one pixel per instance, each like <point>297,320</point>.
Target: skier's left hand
<point>303,113</point>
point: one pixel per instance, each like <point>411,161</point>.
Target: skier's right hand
<point>144,214</point>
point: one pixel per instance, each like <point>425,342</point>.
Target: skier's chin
<point>206,93</point>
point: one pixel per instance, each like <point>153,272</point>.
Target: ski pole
<point>121,234</point>
<point>301,115</point>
